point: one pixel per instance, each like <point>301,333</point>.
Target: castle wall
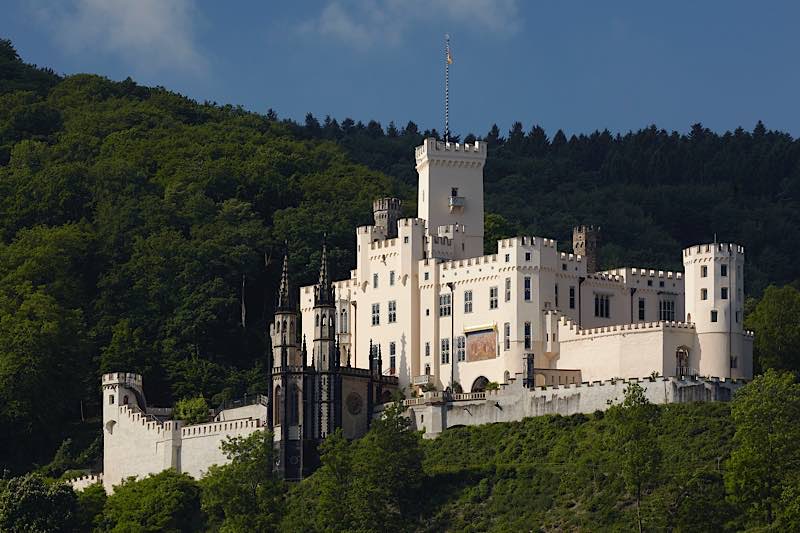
<point>200,443</point>
<point>514,402</point>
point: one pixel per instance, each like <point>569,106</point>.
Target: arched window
<point>479,385</point>
<point>294,406</point>
<point>682,362</point>
<point>276,402</point>
<point>427,369</point>
<point>343,321</point>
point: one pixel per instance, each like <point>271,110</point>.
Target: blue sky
<point>578,66</point>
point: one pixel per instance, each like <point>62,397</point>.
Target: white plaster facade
<point>138,441</point>
<point>422,293</point>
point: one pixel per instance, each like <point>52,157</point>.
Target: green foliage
<point>29,504</point>
<point>244,495</point>
<point>91,502</point>
<point>191,410</point>
<point>776,323</point>
<point>371,484</point>
<point>167,502</point>
<point>761,474</point>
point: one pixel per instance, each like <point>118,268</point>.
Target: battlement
<point>571,257</point>
<point>585,228</point>
<point>125,378</point>
<point>603,276</point>
<point>575,332</point>
<point>713,249</point>
<point>386,204</point>
<point>82,482</point>
<point>526,240</point>
<point>215,428</point>
<point>473,261</point>
<point>643,272</point>
<point>432,147</point>
<point>383,244</point>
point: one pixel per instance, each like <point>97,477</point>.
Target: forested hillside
<point>142,231</point>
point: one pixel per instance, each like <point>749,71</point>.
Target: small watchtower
<point>585,242</point>
<point>387,212</point>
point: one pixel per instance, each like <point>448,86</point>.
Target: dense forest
<point>142,231</point>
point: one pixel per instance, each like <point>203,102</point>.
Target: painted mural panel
<point>481,345</point>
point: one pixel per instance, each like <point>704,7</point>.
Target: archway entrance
<point>479,385</point>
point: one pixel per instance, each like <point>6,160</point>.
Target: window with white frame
<point>375,281</point>
<point>391,278</point>
<point>527,335</point>
<point>467,301</point>
<point>392,311</point>
<point>461,348</point>
<point>392,358</point>
<point>507,336</point>
<point>704,294</point>
<point>508,289</point>
<point>526,288</point>
<point>527,256</point>
<point>445,351</point>
<point>427,349</point>
<point>666,310</point>
<point>704,271</point>
<point>602,305</point>
<point>376,314</point>
<point>343,325</point>
<point>492,297</point>
<point>445,305</point>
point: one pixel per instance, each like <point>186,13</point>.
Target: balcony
<point>425,379</point>
<point>456,203</point>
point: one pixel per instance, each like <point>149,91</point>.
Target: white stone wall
<point>513,403</point>
<point>200,443</point>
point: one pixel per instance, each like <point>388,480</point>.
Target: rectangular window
<point>704,294</point>
<point>527,335</point>
<point>723,270</point>
<point>392,312</point>
<point>602,306</point>
<point>738,316</point>
<point>724,293</point>
<point>649,282</point>
<point>445,305</point>
<point>445,351</point>
<point>405,239</point>
<point>527,256</point>
<point>713,315</point>
<point>508,258</point>
<point>376,314</point>
<point>461,348</point>
<point>392,358</point>
<point>572,297</point>
<point>507,336</point>
<point>492,297</point>
<point>391,278</point>
<point>666,310</point>
<point>375,281</point>
<point>526,288</point>
<point>426,276</point>
<point>641,308</point>
<point>508,289</point>
<point>734,362</point>
<point>703,271</point>
<point>556,295</point>
<point>427,349</point>
<point>467,301</point>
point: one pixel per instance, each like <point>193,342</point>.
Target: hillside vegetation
<point>142,231</point>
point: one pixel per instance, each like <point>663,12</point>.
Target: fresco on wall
<point>481,345</point>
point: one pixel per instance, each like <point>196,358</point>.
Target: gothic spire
<point>283,292</point>
<point>324,289</point>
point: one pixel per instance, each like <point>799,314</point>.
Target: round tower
<point>387,212</point>
<point>714,285</point>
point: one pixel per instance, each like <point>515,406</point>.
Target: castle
<point>523,331</point>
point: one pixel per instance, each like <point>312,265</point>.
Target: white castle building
<point>442,312</point>
<point>424,309</point>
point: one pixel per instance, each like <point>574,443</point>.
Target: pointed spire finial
<point>324,289</point>
<point>283,290</point>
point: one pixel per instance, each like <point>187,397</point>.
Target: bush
<point>192,410</point>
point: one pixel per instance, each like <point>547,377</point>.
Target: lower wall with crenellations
<point>513,402</point>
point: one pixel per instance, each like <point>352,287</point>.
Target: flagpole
<point>446,87</point>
